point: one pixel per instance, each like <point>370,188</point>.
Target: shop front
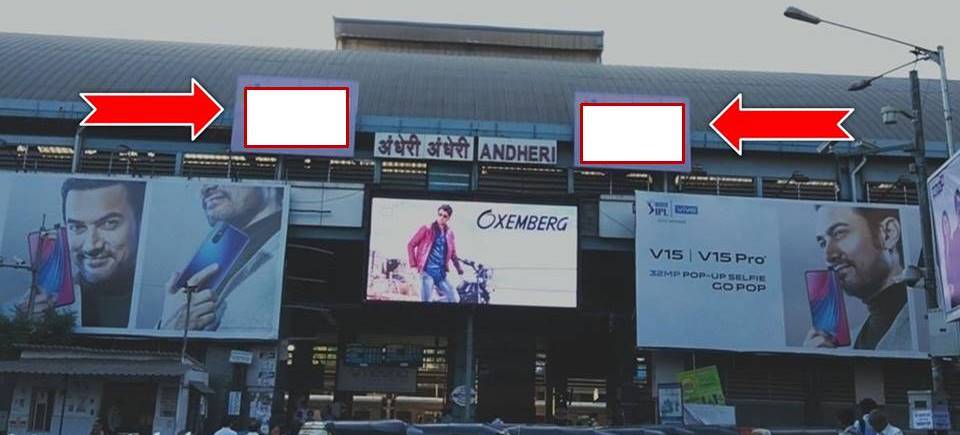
<point>67,390</point>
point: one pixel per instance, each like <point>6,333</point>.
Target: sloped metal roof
<point>57,68</point>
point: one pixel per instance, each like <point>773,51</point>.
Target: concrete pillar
<point>665,365</point>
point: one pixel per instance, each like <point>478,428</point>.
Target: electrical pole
<point>920,168</point>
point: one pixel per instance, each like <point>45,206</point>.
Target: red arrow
<point>196,109</point>
<point>735,124</point>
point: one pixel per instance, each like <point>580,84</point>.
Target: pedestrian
<point>860,427</point>
<point>878,421</point>
<point>226,427</point>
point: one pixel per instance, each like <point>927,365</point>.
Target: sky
<point>730,35</point>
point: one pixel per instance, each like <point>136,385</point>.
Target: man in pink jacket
<point>430,249</point>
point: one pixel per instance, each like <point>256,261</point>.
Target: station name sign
<point>525,151</point>
<point>427,146</point>
<point>423,146</point>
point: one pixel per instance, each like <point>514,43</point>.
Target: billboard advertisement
<point>122,253</point>
<point>464,252</point>
<point>766,275</point>
<point>944,187</point>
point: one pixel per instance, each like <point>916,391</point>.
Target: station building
<point>532,364</point>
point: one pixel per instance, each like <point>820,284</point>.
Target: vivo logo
<point>937,188</point>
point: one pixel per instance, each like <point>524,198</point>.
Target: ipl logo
<point>659,208</point>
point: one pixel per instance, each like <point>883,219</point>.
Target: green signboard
<point>702,386</point>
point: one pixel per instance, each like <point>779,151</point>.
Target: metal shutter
<point>902,376</point>
<point>403,175</point>
<point>229,166</point>
<point>592,182</point>
<point>824,190</point>
<point>308,169</point>
<point>765,378</point>
<point>351,171</point>
<point>522,180</point>
<point>716,185</point>
<point>834,380</point>
<point>900,192</point>
<point>328,170</point>
<point>36,158</point>
<point>127,162</point>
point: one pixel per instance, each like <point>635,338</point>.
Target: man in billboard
<point>243,298</point>
<point>102,218</point>
<point>863,247</point>
<point>430,250</point>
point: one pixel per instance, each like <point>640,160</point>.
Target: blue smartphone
<point>50,257</point>
<point>222,247</point>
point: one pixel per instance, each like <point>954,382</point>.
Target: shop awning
<point>203,388</point>
<point>93,367</point>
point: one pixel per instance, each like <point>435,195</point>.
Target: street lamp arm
<point>898,67</point>
<point>871,150</point>
<point>922,50</point>
<point>892,148</point>
<point>865,83</point>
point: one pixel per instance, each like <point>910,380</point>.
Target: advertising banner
<point>423,146</point>
<point>702,386</point>
<point>766,275</point>
<point>521,151</point>
<point>122,253</point>
<point>472,253</point>
<point>944,187</point>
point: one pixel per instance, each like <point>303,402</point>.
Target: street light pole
<point>920,166</point>
<point>928,273</point>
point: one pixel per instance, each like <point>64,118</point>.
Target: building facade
<point>531,363</point>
